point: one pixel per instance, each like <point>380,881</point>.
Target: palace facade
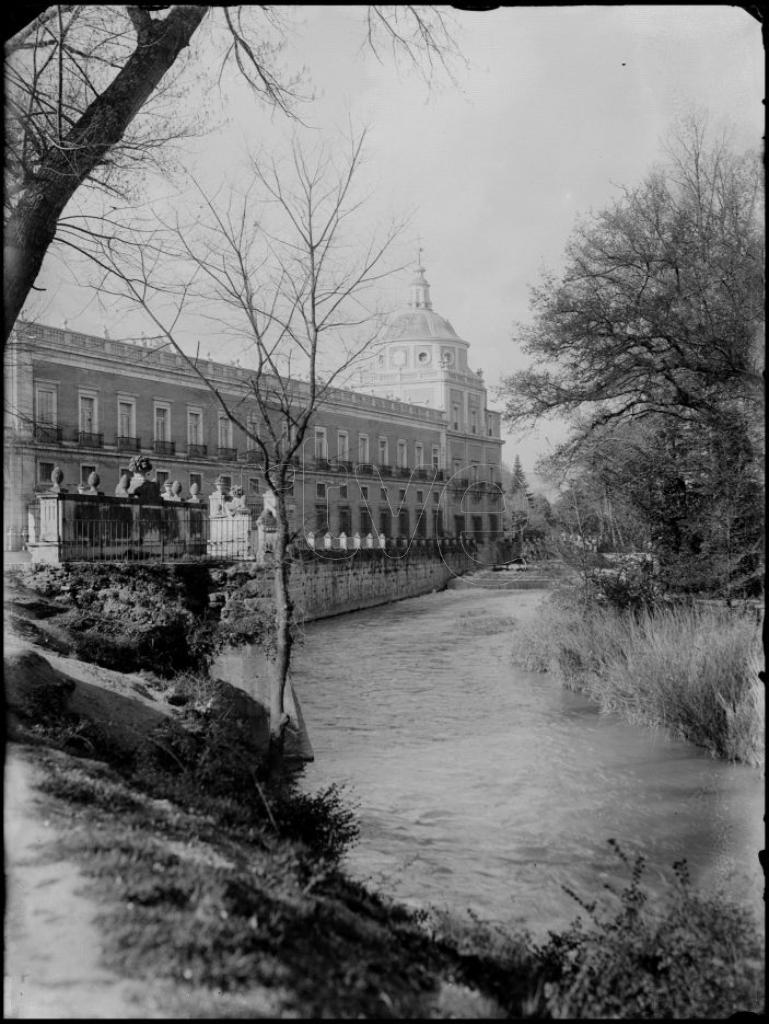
<point>415,452</point>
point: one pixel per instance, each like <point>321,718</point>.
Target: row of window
<point>46,414</point>
<point>320,449</point>
<point>425,522</point>
<point>474,421</point>
<point>323,490</point>
<point>89,419</point>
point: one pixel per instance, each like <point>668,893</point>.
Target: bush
<point>323,821</point>
<point>701,957</point>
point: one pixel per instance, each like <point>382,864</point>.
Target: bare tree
<point>279,267</point>
<point>85,92</point>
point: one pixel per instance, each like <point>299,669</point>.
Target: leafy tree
<point>90,98</point>
<point>660,307</point>
<point>650,343</point>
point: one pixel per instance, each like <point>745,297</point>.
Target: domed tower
<point>423,360</point>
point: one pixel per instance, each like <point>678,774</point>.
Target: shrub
<point>700,957</point>
<point>325,822</point>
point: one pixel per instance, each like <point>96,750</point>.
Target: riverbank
<point>691,670</point>
<point>188,888</point>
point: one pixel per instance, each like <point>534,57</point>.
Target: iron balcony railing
<point>364,469</point>
<point>197,451</point>
<point>227,454</point>
<point>127,443</point>
<point>321,462</point>
<point>89,439</point>
<point>385,469</point>
<point>164,447</point>
<point>401,470</point>
<point>420,473</point>
<point>252,457</point>
<point>47,432</point>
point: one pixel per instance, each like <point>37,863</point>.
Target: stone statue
<point>217,502</point>
<point>57,475</point>
<point>92,484</point>
<point>121,489</point>
<point>141,486</point>
<point>237,506</point>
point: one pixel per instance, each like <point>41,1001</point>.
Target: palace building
<point>415,452</point>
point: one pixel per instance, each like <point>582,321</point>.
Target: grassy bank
<point>690,670</point>
<point>221,915</point>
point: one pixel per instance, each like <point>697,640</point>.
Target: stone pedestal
<point>230,537</point>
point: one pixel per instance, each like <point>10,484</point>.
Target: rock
<point>33,688</point>
<point>240,712</point>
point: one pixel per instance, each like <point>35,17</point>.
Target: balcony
<point>344,465</point>
<point>47,432</point>
<point>401,471</point>
<point>227,454</point>
<point>364,469</point>
<point>420,473</point>
<point>164,447</point>
<point>321,462</point>
<point>197,451</point>
<point>127,444</point>
<point>90,440</point>
<point>252,457</point>
<point>384,469</point>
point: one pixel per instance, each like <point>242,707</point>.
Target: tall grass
<point>690,670</point>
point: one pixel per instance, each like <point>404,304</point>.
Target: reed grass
<point>692,671</point>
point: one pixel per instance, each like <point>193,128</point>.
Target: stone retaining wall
<point>321,587</point>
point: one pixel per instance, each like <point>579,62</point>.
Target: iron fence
<point>168,533</point>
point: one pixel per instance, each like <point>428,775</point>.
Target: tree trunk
<point>281,662</point>
<point>31,226</point>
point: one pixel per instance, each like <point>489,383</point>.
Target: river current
<point>482,786</point>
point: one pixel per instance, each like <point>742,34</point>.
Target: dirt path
<point>52,944</point>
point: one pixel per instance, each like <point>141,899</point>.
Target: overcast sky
<point>556,108</point>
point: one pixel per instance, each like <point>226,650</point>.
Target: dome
<point>419,325</point>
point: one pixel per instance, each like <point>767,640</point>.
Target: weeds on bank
<point>209,909</point>
<point>690,670</point>
<point>701,957</point>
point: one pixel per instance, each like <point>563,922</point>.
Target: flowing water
<point>482,786</point>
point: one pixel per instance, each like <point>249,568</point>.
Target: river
<point>482,786</point>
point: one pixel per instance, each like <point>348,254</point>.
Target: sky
<point>551,111</point>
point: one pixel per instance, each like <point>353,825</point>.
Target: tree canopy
<point>659,309</point>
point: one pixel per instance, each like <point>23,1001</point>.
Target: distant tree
<point>518,478</point>
<point>90,99</point>
<point>693,496</point>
